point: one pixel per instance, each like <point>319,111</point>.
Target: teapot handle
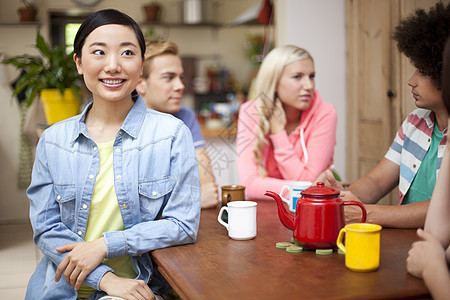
<point>364,213</point>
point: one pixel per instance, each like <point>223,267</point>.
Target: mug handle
<point>340,239</point>
<point>281,194</point>
<point>227,199</point>
<point>363,209</point>
<point>219,217</point>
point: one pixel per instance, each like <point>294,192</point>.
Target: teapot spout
<point>286,218</point>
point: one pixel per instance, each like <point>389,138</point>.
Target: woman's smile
<point>112,82</point>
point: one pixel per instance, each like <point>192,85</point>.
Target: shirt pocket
<point>151,196</point>
<point>65,196</point>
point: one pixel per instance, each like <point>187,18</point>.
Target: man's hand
<point>322,178</point>
<point>332,181</point>
<point>421,252</point>
<point>130,289</point>
<point>353,213</point>
<point>82,259</point>
<point>210,195</point>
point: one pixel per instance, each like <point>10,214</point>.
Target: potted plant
<point>53,74</point>
<point>27,13</point>
<point>152,12</point>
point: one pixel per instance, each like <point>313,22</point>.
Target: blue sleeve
<point>45,216</point>
<point>189,118</point>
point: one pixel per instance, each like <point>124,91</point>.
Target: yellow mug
<point>362,246</point>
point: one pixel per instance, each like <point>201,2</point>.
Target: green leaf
<point>336,176</point>
<point>42,45</point>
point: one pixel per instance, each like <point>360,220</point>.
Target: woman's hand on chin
<point>278,119</point>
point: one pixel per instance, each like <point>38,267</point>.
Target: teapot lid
<point>320,190</point>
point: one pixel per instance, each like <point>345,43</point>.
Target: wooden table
<point>217,267</point>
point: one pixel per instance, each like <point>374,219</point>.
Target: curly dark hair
<point>446,75</point>
<point>421,37</point>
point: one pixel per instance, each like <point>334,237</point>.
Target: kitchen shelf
<point>206,24</point>
<point>20,24</point>
<point>181,25</point>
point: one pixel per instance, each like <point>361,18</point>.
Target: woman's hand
<point>421,252</point>
<point>82,259</point>
<point>278,119</point>
<point>129,289</point>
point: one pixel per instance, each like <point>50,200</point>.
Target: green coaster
<point>294,249</point>
<point>324,251</point>
<point>283,245</point>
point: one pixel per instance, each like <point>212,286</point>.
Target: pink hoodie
<point>285,158</point>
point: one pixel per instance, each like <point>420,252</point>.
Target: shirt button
<point>58,197</point>
<point>80,233</point>
<point>118,176</point>
<point>117,150</point>
<point>84,206</point>
<point>91,176</point>
<point>120,132</point>
<point>124,206</point>
<point>414,166</point>
<point>154,193</point>
<point>95,148</point>
<point>429,140</point>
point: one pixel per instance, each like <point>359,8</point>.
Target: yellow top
<point>104,215</point>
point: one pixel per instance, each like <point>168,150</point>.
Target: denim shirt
<point>157,185</point>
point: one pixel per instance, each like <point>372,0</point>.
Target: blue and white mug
<point>295,189</point>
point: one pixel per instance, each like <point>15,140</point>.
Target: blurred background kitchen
<point>221,43</point>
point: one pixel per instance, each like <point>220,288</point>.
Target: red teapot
<point>318,218</point>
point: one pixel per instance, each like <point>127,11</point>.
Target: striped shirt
<point>410,145</point>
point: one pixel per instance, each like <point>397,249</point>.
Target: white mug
<point>241,219</point>
<point>295,189</point>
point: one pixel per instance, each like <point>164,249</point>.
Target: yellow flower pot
<point>58,107</point>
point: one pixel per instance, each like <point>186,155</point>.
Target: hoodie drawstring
<point>302,141</point>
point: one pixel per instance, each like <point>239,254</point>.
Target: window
<point>64,28</point>
<point>70,32</point>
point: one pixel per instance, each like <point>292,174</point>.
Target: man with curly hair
<point>414,158</point>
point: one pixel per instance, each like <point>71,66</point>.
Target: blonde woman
<point>288,132</point>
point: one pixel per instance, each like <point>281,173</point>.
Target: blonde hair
<point>267,81</point>
<point>155,48</point>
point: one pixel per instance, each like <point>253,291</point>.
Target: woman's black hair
<point>446,75</point>
<point>421,37</point>
<point>106,17</point>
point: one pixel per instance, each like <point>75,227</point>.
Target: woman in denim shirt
<point>113,183</point>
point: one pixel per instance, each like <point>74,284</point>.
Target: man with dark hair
<point>414,158</point>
